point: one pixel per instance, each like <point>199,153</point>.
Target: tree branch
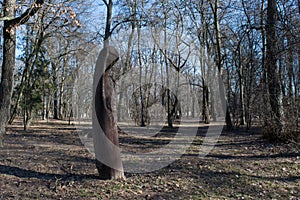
<point>105,2</point>
<point>122,22</point>
<point>27,14</point>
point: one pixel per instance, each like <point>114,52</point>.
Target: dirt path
<point>49,162</point>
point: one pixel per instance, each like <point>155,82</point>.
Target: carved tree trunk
<point>107,152</point>
<point>105,130</point>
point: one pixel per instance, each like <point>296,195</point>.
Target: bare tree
<point>274,84</point>
<point>219,61</point>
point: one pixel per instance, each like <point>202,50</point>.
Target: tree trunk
<point>55,96</point>
<point>6,85</point>
<point>241,85</point>
<point>62,98</point>
<point>213,104</point>
<point>120,111</point>
<point>205,99</point>
<point>141,96</point>
<point>274,84</point>
<point>220,64</point>
<point>297,91</point>
<point>299,6</point>
<point>169,116</point>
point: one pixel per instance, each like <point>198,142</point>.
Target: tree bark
<point>274,84</point>
<point>9,48</point>
<point>297,90</point>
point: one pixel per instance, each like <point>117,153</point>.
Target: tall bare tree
<point>274,84</point>
<point>220,60</point>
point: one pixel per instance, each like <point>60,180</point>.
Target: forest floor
<point>48,161</point>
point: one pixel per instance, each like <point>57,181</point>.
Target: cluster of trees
<point>253,46</point>
<point>43,42</point>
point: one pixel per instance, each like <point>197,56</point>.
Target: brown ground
<point>49,162</point>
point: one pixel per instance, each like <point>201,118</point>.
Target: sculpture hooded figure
<point>105,132</point>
